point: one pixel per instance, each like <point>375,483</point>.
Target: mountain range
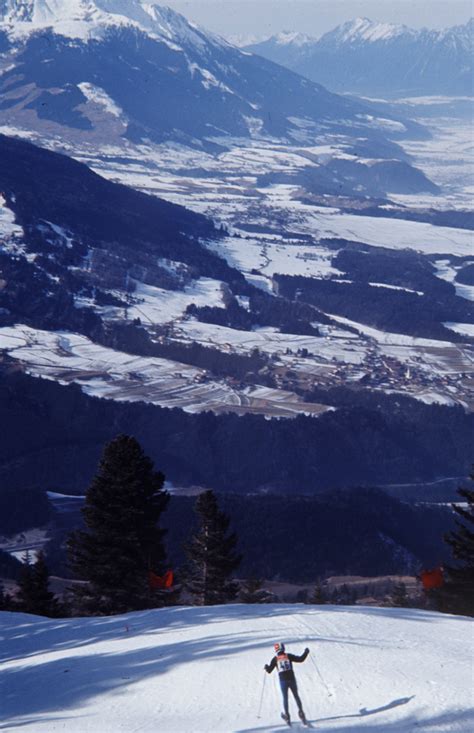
<point>115,69</point>
<point>366,57</point>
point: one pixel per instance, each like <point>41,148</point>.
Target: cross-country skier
<point>284,663</point>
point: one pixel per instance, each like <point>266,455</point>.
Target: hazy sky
<point>314,17</point>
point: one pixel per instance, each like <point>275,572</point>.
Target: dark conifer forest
<point>56,435</point>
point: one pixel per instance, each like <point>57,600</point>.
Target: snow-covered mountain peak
<point>88,18</point>
<point>48,12</point>
<point>292,37</point>
<point>382,59</point>
<point>461,36</point>
<point>364,30</point>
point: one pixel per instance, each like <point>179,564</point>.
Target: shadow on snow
<point>361,722</point>
<point>77,678</point>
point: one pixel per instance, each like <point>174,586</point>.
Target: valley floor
<point>273,228</point>
<point>189,669</point>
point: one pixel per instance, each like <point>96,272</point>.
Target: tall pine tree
<point>33,594</point>
<point>123,540</point>
<point>5,600</point>
<point>318,596</point>
<point>457,594</point>
<point>399,597</point>
<point>211,554</point>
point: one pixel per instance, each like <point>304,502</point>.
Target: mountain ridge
<point>357,56</point>
<point>76,17</point>
<point>61,62</point>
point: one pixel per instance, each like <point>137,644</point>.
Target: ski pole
<point>261,696</point>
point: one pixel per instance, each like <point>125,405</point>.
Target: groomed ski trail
<point>200,670</point>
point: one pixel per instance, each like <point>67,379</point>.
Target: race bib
<point>284,664</point>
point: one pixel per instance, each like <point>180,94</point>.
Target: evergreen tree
<point>33,594</point>
<point>399,597</point>
<point>252,591</point>
<point>4,598</point>
<point>123,540</point>
<point>457,594</point>
<point>24,593</point>
<point>318,596</point>
<point>211,555</point>
<point>346,596</point>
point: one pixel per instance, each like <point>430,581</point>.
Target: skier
<point>284,664</point>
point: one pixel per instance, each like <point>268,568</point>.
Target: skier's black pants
<point>287,685</point>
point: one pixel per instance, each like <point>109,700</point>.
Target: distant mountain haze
<point>366,57</point>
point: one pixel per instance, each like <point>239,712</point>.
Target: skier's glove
<point>266,668</point>
<point>306,651</point>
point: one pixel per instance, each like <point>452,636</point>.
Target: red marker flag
<point>432,578</point>
<point>160,582</point>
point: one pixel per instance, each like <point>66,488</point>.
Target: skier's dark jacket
<point>284,663</point>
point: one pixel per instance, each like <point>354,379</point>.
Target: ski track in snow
<point>200,670</point>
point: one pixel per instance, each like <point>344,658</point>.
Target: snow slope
<point>8,227</point>
<point>183,670</point>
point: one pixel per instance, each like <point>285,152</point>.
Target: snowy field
<point>68,357</point>
<point>446,271</point>
<point>102,372</point>
<point>446,158</point>
<point>270,255</point>
<point>226,185</point>
<point>231,196</point>
<point>10,233</point>
<point>433,360</point>
<point>7,221</point>
<point>157,306</point>
<point>200,670</point>
<point>271,231</point>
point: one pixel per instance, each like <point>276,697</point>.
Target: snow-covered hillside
<point>200,670</point>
